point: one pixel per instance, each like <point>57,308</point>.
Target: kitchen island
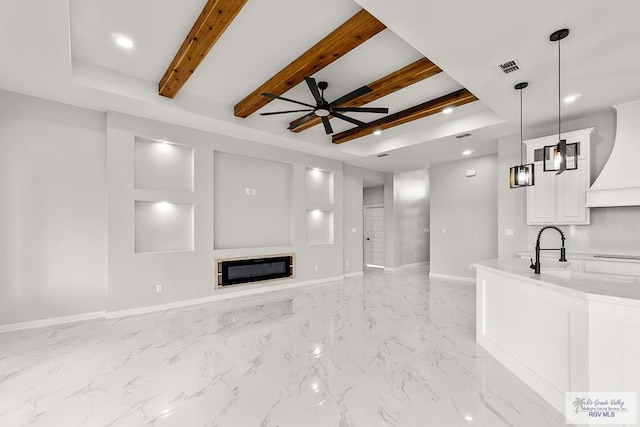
<point>561,330</point>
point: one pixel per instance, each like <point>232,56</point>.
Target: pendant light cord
<point>521,143</point>
<point>559,133</point>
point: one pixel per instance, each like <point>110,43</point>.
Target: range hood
<point>619,182</point>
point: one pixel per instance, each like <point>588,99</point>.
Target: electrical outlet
<point>444,231</point>
<point>159,287</point>
<point>414,254</point>
<point>247,191</point>
<point>253,192</point>
<point>508,232</point>
<point>347,263</point>
<point>316,268</point>
<point>353,230</point>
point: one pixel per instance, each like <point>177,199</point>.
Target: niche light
<point>468,418</point>
<point>377,132</point>
<point>122,41</point>
<point>571,98</point>
<point>466,152</point>
<point>447,110</point>
<point>163,205</point>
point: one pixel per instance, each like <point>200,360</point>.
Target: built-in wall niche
<point>163,165</point>
<point>319,186</point>
<point>319,227</point>
<point>252,202</point>
<point>163,226</point>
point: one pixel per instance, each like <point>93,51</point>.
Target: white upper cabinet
<point>560,199</point>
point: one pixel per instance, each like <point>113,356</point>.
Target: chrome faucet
<point>563,258</point>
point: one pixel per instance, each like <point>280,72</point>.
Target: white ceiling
<point>63,50</point>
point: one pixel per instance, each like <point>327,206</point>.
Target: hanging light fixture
<point>521,175</point>
<point>561,156</point>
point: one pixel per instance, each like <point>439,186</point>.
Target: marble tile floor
<point>386,349</point>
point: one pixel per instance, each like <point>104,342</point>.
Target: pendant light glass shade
<point>521,175</point>
<point>562,156</point>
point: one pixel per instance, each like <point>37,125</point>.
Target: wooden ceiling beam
<point>214,19</point>
<point>454,99</point>
<point>351,34</point>
<point>400,79</point>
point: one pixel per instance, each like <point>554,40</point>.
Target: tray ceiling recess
<point>217,15</point>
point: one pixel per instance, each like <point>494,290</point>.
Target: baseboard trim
<point>403,266</point>
<point>213,298</point>
<point>450,277</point>
<point>356,274</point>
<point>52,321</point>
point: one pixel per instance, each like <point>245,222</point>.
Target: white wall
<point>412,207</point>
<point>190,274</point>
<point>373,196</point>
<point>612,230</point>
<point>464,212</point>
<point>60,167</point>
<point>354,215</point>
<point>406,218</point>
<point>52,210</point>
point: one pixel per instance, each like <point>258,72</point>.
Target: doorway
<point>374,236</point>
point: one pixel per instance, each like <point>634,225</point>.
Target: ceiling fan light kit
<point>325,109</point>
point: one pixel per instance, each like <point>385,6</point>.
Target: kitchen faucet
<point>563,258</point>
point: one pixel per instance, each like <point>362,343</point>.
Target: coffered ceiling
<point>69,55</point>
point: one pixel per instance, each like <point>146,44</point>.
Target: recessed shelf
<point>163,226</point>
<point>319,227</point>
<point>163,166</point>
<point>319,185</point>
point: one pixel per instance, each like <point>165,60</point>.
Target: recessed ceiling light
<point>377,132</point>
<point>447,110</point>
<point>571,98</point>
<point>466,152</point>
<point>122,41</point>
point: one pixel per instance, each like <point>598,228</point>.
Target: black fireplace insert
<point>237,271</point>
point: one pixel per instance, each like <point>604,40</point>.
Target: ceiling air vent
<point>383,155</point>
<point>463,135</point>
<point>508,66</point>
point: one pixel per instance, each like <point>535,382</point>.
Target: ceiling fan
<point>323,108</point>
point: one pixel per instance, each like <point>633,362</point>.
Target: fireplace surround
<point>246,270</point>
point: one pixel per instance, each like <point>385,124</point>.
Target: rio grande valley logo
<point>601,408</point>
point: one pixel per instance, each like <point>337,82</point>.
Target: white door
<point>374,236</point>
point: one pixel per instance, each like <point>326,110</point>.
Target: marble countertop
<point>634,258</point>
<point>592,286</point>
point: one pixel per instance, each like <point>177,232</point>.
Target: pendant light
<point>521,175</point>
<point>561,156</point>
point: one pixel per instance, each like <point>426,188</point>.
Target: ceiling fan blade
<point>351,95</point>
<point>327,126</point>
<point>302,120</point>
<point>313,87</point>
<point>348,119</point>
<point>363,109</point>
<point>282,112</point>
<point>270,95</point>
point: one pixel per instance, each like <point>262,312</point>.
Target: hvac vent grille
<point>464,135</point>
<point>509,66</point>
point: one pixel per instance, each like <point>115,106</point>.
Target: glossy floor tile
<point>386,349</point>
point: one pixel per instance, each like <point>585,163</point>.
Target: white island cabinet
<point>560,331</point>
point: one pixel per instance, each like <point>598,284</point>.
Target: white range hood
<point>619,182</point>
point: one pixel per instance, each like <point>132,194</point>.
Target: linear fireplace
<point>236,271</point>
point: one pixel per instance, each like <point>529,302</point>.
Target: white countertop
<point>596,287</point>
<point>634,258</point>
